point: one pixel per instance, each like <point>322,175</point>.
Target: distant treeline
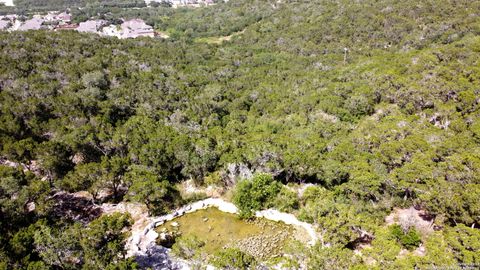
<point>26,6</point>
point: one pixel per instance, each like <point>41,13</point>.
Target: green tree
<point>59,248</point>
<point>54,158</point>
<point>187,247</point>
<point>148,187</point>
<point>286,200</point>
<point>111,176</point>
<point>255,194</point>
<point>409,239</point>
<point>335,257</point>
<point>233,259</point>
<point>103,241</point>
<point>18,190</point>
<point>82,177</point>
<point>465,243</point>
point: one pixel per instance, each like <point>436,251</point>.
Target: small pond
<point>260,237</point>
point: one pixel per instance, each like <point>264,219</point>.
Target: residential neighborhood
<point>173,3</point>
<point>59,21</point>
<point>184,3</point>
<point>51,20</point>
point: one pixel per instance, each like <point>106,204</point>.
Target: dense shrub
<point>255,194</point>
<point>464,243</point>
<point>233,259</point>
<point>409,239</point>
<point>286,200</point>
<point>147,187</point>
<point>187,247</point>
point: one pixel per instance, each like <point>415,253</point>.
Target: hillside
<point>373,104</point>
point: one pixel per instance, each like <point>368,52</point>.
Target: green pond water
<point>261,238</point>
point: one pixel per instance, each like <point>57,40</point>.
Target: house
<point>191,3</point>
<point>136,28</point>
<point>64,17</point>
<point>54,16</point>
<point>4,24</point>
<point>32,24</point>
<point>10,17</point>
<point>50,17</point>
<point>112,31</point>
<point>92,26</point>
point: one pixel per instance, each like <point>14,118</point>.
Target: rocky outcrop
<point>262,246</point>
<point>275,215</point>
<point>267,162</point>
<point>158,258</point>
<point>235,172</point>
<point>33,166</point>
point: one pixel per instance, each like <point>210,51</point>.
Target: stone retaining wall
<point>139,243</point>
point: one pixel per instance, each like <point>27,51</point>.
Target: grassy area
<point>213,40</point>
<point>261,238</point>
<point>218,40</point>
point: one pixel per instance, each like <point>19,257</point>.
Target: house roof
<point>90,26</point>
<point>32,24</point>
<point>4,24</point>
<point>135,28</point>
<point>64,16</point>
<point>135,24</point>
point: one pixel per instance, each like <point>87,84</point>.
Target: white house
<point>112,31</point>
<point>64,17</point>
<point>32,24</point>
<point>136,28</point>
<point>4,24</point>
<point>92,26</point>
<point>54,16</point>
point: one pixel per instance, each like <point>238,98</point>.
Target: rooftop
<point>91,26</point>
<point>32,24</point>
<point>4,24</point>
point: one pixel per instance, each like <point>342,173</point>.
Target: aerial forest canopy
<point>375,103</point>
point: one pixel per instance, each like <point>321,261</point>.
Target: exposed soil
<point>411,217</point>
<point>75,207</point>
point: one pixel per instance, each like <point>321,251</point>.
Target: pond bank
<point>261,238</point>
<point>141,240</point>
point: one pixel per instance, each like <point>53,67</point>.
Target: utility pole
<point>345,51</point>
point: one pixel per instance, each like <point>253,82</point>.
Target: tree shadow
<point>157,258</point>
<point>74,208</point>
